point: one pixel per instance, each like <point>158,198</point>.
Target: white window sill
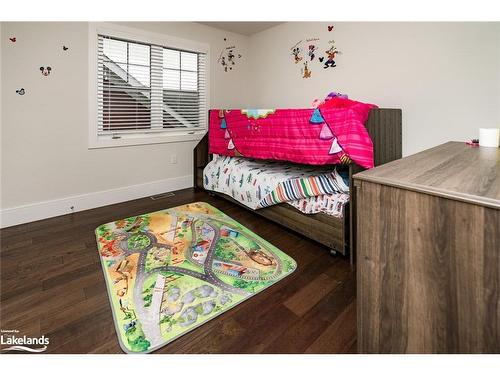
<point>142,139</point>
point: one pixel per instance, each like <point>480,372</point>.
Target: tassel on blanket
<point>335,147</point>
<point>223,124</point>
<point>227,135</point>
<point>230,145</point>
<point>326,132</point>
<point>316,117</point>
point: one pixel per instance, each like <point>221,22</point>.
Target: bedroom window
<point>148,90</point>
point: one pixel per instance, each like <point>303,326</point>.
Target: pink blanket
<point>334,133</point>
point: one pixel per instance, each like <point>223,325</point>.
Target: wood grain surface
<point>428,273</point>
<point>454,170</point>
<point>52,284</point>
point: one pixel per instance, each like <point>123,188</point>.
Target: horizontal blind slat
<point>144,91</point>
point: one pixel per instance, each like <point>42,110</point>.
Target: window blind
<point>145,88</point>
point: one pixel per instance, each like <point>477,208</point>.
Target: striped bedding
<point>330,204</point>
<point>262,183</point>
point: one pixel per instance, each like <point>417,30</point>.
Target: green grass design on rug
<point>170,271</point>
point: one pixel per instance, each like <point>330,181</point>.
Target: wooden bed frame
<point>385,129</point>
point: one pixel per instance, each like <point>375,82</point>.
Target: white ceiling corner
<point>244,28</point>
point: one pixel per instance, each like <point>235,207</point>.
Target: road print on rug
<point>171,271</point>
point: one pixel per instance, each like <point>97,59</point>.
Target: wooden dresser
<point>428,252</point>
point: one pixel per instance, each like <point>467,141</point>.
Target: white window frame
<point>138,35</point>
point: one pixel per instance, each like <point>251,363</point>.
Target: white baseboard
<point>57,207</point>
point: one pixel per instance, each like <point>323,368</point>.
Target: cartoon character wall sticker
<point>312,47</point>
<point>312,50</point>
<point>325,55</point>
<point>330,55</point>
<point>228,57</point>
<point>45,70</point>
<point>296,54</point>
<point>296,51</point>
<point>306,73</point>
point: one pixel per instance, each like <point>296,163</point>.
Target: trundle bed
<point>338,234</point>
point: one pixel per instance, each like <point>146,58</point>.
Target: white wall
<point>442,75</point>
<point>445,77</point>
<point>498,92</point>
<point>44,149</point>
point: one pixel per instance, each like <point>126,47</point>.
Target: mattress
<point>262,183</point>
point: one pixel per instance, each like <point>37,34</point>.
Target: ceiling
<point>244,28</point>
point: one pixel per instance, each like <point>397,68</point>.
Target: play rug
<point>171,271</point>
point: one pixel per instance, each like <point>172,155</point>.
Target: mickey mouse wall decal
<point>13,39</point>
<point>310,50</point>
<point>21,91</point>
<point>45,70</point>
<point>228,57</point>
<point>65,48</point>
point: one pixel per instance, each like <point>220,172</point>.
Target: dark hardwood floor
<point>52,284</point>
